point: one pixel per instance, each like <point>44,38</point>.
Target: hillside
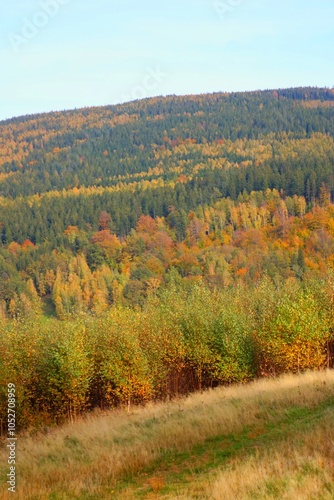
<point>93,146</point>
<point>164,246</point>
<point>62,169</point>
<point>208,169</point>
<point>266,440</point>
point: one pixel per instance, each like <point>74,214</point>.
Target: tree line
<point>187,337</point>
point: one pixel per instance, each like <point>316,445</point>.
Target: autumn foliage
<point>157,247</point>
<point>185,338</point>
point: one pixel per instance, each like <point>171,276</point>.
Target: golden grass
<point>298,469</point>
<point>302,472</point>
<point>88,459</point>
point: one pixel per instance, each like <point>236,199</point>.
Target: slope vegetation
<point>269,439</point>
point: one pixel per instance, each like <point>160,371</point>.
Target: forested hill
<point>224,187</point>
<point>164,245</point>
<point>145,156</point>
<point>93,146</point>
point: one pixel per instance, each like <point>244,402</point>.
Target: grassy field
<point>269,439</point>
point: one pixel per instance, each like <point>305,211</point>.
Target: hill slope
<point>154,248</point>
<point>266,440</point>
<point>146,156</point>
<point>105,205</point>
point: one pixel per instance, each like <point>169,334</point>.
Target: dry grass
<point>301,468</point>
<point>302,473</point>
<point>90,458</point>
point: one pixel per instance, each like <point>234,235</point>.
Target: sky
<point>66,54</point>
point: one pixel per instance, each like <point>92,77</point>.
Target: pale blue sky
<point>62,54</point>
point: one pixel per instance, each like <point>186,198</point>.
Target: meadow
<point>271,438</point>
